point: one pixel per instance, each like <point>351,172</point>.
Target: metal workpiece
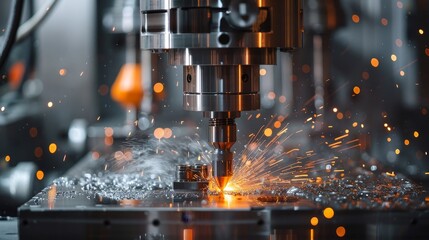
<point>191,177</point>
<point>200,172</point>
<point>183,173</point>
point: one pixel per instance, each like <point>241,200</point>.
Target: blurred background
<point>363,70</point>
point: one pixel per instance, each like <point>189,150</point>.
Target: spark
<point>300,179</point>
<point>302,175</point>
<point>335,143</point>
<point>268,158</point>
<point>292,150</point>
<point>341,137</point>
<point>408,64</point>
<point>352,141</point>
<point>348,148</point>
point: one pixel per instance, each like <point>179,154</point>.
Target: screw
<point>189,78</point>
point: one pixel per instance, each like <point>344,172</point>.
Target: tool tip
<point>222,182</point>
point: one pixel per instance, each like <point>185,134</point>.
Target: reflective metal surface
<point>97,206</point>
<point>230,56</point>
<point>188,24</point>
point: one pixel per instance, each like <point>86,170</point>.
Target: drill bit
<point>222,135</point>
<point>222,167</point>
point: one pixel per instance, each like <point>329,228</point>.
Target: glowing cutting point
<point>229,188</point>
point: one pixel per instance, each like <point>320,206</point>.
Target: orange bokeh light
<point>40,175</point>
<point>356,90</point>
<point>158,133</point>
<point>314,221</point>
<point>341,231</point>
<point>158,87</point>
<point>355,18</point>
<point>374,62</point>
<point>52,148</point>
<point>328,213</point>
<point>268,132</point>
